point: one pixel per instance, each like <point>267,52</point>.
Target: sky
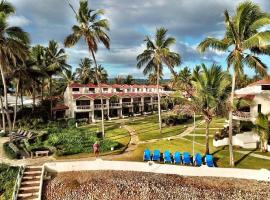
<point>189,21</point>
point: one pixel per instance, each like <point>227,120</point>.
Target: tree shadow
<point>244,156</point>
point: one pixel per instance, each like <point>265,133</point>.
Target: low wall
<point>263,174</point>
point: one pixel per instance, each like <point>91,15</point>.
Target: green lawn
<point>147,128</point>
<point>202,131</point>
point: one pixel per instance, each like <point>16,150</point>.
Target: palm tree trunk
<point>51,101</point>
<point>34,95</point>
<point>231,121</point>
<point>100,91</point>
<point>5,97</point>
<point>3,114</point>
<point>42,89</point>
<point>159,111</point>
<point>21,94</point>
<point>207,137</point>
<point>16,104</point>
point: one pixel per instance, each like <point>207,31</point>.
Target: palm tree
<point>152,78</point>
<point>84,73</point>
<point>92,28</point>
<point>118,79</point>
<point>101,75</point>
<point>156,54</point>
<point>13,49</point>
<point>244,39</point>
<point>183,81</point>
<point>129,80</point>
<point>262,128</point>
<point>55,64</point>
<point>211,88</point>
<point>65,79</point>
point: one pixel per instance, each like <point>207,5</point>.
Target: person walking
<point>96,147</point>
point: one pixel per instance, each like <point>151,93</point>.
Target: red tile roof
<point>60,107</point>
<point>113,86</point>
<point>261,82</point>
<point>245,96</point>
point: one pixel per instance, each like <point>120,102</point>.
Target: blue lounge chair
<point>177,157</point>
<point>167,157</point>
<point>156,155</point>
<point>146,155</point>
<point>186,158</point>
<point>209,160</point>
<point>198,160</point>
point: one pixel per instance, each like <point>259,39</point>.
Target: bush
<point>173,120</point>
<point>71,123</point>
<point>8,176</point>
<point>11,153</point>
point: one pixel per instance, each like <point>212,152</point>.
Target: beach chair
<point>177,157</point>
<point>198,160</point>
<point>209,160</point>
<point>167,157</point>
<point>186,158</point>
<point>156,155</point>
<point>146,155</point>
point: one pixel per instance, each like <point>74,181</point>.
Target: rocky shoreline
<point>140,185</point>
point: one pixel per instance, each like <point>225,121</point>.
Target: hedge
<point>10,152</point>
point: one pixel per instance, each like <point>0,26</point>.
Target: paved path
<point>254,155</point>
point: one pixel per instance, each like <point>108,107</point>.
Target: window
<point>265,87</point>
<point>105,90</point>
<point>75,89</point>
<point>92,90</point>
<point>259,108</point>
<point>82,103</point>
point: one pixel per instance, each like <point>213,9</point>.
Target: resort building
<point>84,101</point>
<point>258,94</point>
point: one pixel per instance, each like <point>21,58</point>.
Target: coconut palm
<point>183,81</point>
<point>129,80</point>
<point>118,79</point>
<point>13,49</point>
<point>262,128</point>
<point>244,39</point>
<point>92,28</point>
<point>85,73</point>
<point>55,61</point>
<point>101,75</point>
<point>156,54</point>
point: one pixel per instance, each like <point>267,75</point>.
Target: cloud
<point>18,20</point>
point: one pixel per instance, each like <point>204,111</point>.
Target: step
<point>31,177</point>
<point>32,172</point>
<point>27,188</point>
<point>27,169</point>
<point>30,182</point>
<point>28,198</point>
<point>27,195</point>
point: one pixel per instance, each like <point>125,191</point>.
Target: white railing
<point>139,103</point>
<point>85,107</point>
<point>113,105</point>
<point>99,106</point>
<point>41,183</point>
<point>127,104</point>
<point>240,114</point>
<point>18,182</point>
<point>155,102</point>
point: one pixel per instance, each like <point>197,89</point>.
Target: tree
<point>118,80</point>
<point>156,54</point>
<point>244,39</point>
<point>92,27</point>
<point>129,80</point>
<point>101,75</point>
<point>13,49</point>
<point>183,81</point>
<point>55,63</point>
<point>262,128</point>
<point>84,73</point>
<point>152,78</point>
<point>65,79</point>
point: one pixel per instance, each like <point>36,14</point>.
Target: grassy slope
<point>7,180</point>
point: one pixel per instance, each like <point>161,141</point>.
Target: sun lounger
<point>177,157</point>
<point>146,155</point>
<point>209,160</point>
<point>186,158</point>
<point>198,160</point>
<point>167,157</point>
<point>156,155</point>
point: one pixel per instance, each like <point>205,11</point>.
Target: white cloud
<point>18,20</point>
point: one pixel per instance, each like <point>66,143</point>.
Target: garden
<point>8,175</point>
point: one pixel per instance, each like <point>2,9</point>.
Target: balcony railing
<point>115,105</point>
<point>241,115</point>
<point>127,104</point>
<point>139,103</point>
<point>85,107</point>
<point>99,106</point>
<point>155,101</point>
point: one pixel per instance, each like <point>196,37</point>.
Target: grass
<point>202,131</point>
<point>147,128</point>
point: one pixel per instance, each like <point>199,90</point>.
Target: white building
<point>84,101</point>
<point>259,95</point>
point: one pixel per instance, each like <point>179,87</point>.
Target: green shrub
<point>173,120</point>
<point>10,152</point>
<point>71,123</point>
<point>8,177</point>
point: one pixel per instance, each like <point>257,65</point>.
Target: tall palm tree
<point>13,49</point>
<point>118,79</point>
<point>244,39</point>
<point>55,64</point>
<point>92,28</point>
<point>211,88</point>
<point>183,81</point>
<point>156,54</point>
<point>129,79</point>
<point>152,78</point>
<point>84,73</point>
<point>65,79</point>
<point>262,128</point>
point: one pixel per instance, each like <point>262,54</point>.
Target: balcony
<point>127,104</point>
<point>243,116</point>
<point>99,106</point>
<point>155,101</point>
<point>115,105</point>
<point>148,102</point>
<point>139,103</point>
<point>84,107</point>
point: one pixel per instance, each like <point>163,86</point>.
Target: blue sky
<point>189,21</point>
